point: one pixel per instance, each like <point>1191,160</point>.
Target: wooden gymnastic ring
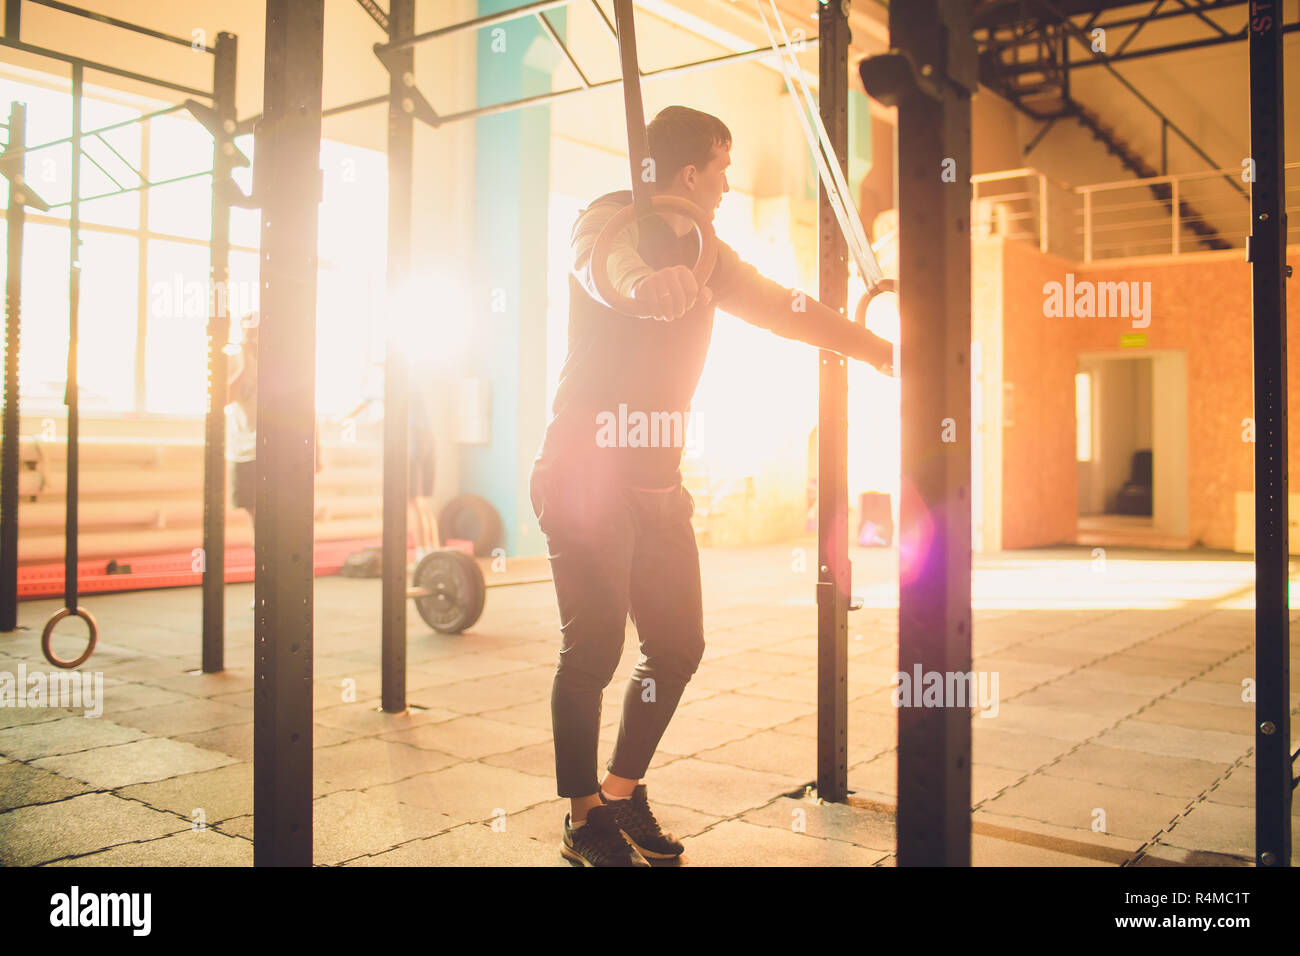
<point>46,633</point>
<point>605,245</point>
<point>860,313</point>
<point>884,285</point>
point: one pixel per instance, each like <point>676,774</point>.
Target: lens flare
<point>915,539</point>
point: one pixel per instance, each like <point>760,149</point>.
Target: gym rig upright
<point>930,74</point>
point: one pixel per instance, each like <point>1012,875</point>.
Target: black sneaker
<point>598,842</point>
<point>642,830</point>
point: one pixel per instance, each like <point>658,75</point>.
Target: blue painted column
<point>511,198</point>
<point>859,160</point>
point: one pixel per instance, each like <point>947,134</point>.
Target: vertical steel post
<point>1063,55</point>
<point>1042,213</point>
<point>13,339</point>
<point>141,370</point>
<point>71,396</point>
<point>1274,789</point>
<point>401,82</point>
<point>214,437</point>
<point>288,183</point>
<point>833,571</point>
<point>1087,225</point>
<point>934,614</point>
<point>1177,219</point>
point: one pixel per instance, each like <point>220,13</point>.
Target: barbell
<point>449,590</point>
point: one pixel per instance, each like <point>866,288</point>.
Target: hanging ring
<point>605,245</point>
<point>884,285</point>
<point>860,313</point>
<point>48,631</point>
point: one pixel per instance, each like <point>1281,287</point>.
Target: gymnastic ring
<point>46,633</point>
<point>884,285</point>
<point>600,253</point>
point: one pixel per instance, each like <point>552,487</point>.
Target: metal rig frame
<point>218,119</point>
<point>930,74</point>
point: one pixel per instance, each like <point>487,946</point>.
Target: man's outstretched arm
<point>743,291</point>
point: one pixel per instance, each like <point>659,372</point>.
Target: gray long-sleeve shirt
<point>625,390</point>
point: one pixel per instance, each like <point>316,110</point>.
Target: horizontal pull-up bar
<point>122,24</point>
<point>490,19</point>
<point>606,84</point>
<point>111,126</point>
<point>133,189</point>
<point>555,38</point>
<point>246,125</point>
<point>202,114</point>
<point>103,67</point>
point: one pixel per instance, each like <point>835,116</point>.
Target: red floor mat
<point>167,570</point>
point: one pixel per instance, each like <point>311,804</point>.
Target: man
<point>610,500</point>
<point>420,463</point>
<point>241,418</point>
<point>419,485</point>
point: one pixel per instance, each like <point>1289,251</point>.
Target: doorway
<point>1131,449</point>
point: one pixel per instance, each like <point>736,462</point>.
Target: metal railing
<point>1160,215</point>
<point>1171,214</point>
<point>1011,203</point>
<point>1025,205</point>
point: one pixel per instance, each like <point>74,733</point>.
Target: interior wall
<point>986,330</point>
<point>442,217</point>
<point>1169,425</point>
<point>511,206</point>
<point>1200,307</point>
<point>1039,476</point>
<point>995,134</point>
<point>878,190</point>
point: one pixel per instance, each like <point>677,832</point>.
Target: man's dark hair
<point>679,137</point>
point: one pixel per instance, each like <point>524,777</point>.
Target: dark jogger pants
<point>615,550</point>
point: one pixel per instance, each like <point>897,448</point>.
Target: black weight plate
<point>471,518</point>
<point>456,591</point>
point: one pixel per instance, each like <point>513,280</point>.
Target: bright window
<point>107,320</point>
<point>176,343</point>
<point>1083,416</point>
<point>145,258</point>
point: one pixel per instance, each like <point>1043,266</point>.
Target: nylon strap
<point>837,189</point>
<point>638,146</point>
